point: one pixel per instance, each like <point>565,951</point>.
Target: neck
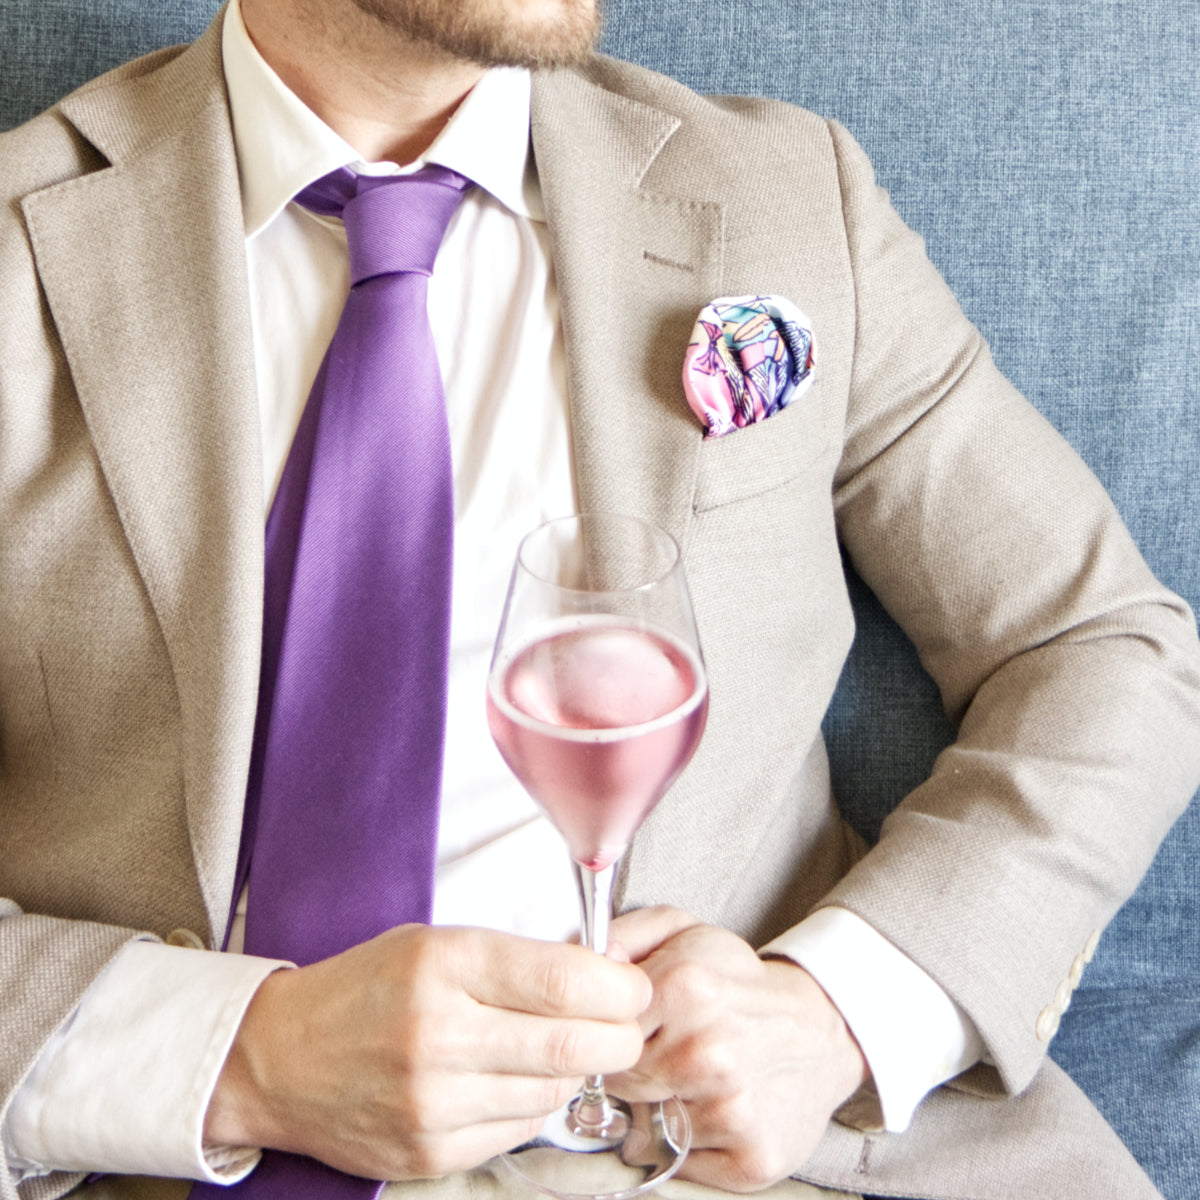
<point>386,96</point>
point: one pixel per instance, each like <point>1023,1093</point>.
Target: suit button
<point>1047,1024</point>
<point>1077,970</point>
<point>1090,949</point>
<point>185,938</point>
<point>1062,995</point>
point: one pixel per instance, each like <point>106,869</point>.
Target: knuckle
<point>690,985</point>
<point>427,1114</point>
<point>424,949</point>
<point>556,984</point>
<point>441,957</point>
<point>429,1158</point>
<point>460,949</point>
<point>772,1166</point>
<point>425,1039</point>
<point>736,1115</point>
<point>711,1056</point>
<point>563,1050</point>
<point>422,1106</point>
<point>672,913</point>
<point>416,977</point>
<point>408,1111</point>
<point>756,1167</point>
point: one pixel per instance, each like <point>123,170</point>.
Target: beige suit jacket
<point>131,549</point>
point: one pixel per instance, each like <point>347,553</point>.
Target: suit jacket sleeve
<point>1072,675</point>
<point>49,781</point>
<point>46,965</point>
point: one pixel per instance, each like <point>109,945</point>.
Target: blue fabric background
<point>1050,154</point>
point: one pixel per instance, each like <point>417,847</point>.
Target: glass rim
<point>604,734</point>
<point>668,541</point>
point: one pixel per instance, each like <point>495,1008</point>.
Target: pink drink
<point>597,719</point>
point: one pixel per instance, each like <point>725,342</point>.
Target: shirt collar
<point>283,146</point>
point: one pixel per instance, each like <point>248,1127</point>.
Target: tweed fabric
<point>778,475</point>
<point>491,1182</point>
<point>1050,154</point>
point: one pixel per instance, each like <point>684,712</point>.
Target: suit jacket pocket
<point>761,457</point>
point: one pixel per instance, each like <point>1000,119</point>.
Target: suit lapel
<point>143,266</point>
<point>634,264</point>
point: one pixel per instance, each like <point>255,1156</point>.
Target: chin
<point>495,33</point>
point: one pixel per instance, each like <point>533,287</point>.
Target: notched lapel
<point>636,260</point>
<point>634,266</point>
<point>143,266</point>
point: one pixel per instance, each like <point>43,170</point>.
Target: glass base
<point>574,1158</point>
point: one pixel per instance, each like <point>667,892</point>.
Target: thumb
<point>639,933</point>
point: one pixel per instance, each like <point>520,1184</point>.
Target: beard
<point>495,33</point>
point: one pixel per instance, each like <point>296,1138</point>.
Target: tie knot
<point>394,223</point>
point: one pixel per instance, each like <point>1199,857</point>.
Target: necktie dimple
<point>340,830</point>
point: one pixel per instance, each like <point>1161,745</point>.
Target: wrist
<point>240,1109</point>
<point>846,1068</point>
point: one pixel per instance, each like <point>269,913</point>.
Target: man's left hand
<point>754,1048</point>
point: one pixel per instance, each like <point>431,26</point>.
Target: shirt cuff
<point>123,1087</point>
<point>911,1033</point>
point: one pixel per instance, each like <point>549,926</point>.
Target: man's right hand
<point>424,1051</point>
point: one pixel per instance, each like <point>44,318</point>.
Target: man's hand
<point>424,1051</point>
<point>755,1049</point>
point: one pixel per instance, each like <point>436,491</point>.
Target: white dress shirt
<point>124,1086</point>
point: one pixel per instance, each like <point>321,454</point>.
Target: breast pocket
<point>762,457</point>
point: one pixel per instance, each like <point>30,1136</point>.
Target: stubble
<point>495,33</point>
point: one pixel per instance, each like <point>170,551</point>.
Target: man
<point>133,482</point>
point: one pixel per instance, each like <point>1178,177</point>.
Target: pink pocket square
<point>749,357</point>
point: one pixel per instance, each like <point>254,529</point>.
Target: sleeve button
<point>1062,996</point>
<point>185,938</point>
<point>1047,1024</point>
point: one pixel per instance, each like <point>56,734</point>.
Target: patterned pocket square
<point>749,357</point>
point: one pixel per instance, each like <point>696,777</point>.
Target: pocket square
<point>749,356</point>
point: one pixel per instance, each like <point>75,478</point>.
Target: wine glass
<point>597,698</point>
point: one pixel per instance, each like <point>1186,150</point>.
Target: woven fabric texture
<point>1050,155</point>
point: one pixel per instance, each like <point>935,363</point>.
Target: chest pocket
<point>762,457</point>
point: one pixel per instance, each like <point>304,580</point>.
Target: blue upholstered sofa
<point>1049,152</point>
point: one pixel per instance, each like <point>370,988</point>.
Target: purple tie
<point>340,829</point>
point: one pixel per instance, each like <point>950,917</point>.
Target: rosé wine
<point>597,718</point>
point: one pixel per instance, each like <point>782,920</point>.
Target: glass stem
<point>591,1107</point>
<point>595,903</point>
